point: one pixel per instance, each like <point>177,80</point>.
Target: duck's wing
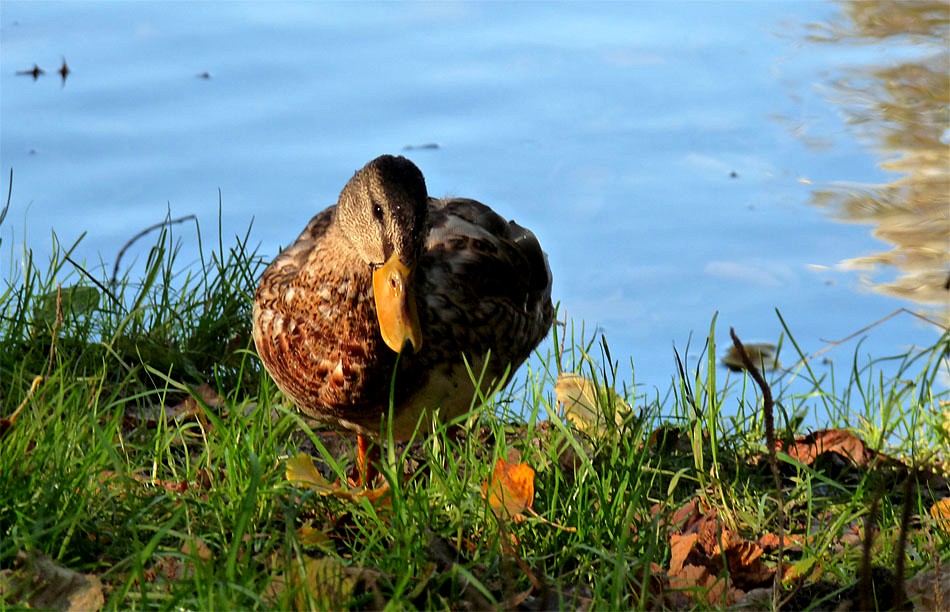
<point>486,283</point>
<point>290,260</point>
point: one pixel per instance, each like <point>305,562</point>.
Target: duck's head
<point>383,212</point>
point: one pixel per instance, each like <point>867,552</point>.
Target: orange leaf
<point>510,490</point>
<point>941,514</point>
<point>680,547</point>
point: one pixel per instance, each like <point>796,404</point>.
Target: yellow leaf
<point>322,581</point>
<point>308,535</point>
<point>510,490</point>
<point>302,472</point>
<point>583,404</point>
<point>801,569</point>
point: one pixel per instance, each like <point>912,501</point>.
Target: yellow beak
<point>396,305</point>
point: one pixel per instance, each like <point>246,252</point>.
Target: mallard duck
<point>391,293</point>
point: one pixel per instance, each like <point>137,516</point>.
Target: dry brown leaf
<point>187,408</point>
<point>680,547</point>
<point>745,563</point>
<point>510,489</point>
<point>838,441</point>
<point>769,541</point>
<point>700,583</point>
<point>166,568</point>
<point>929,590</point>
<point>196,547</point>
<point>701,547</point>
<point>209,396</point>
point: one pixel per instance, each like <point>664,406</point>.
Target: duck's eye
<point>378,212</point>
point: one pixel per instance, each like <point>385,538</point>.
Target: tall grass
<point>195,511</point>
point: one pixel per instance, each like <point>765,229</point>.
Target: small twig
<point>550,523</point>
<point>899,596</point>
<point>865,595</point>
<point>769,418</point>
<point>151,228</point>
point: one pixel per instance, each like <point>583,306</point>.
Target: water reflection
<point>902,110</point>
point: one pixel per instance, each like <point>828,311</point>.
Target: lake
<point>676,159</point>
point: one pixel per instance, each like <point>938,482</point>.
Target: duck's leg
<point>366,455</point>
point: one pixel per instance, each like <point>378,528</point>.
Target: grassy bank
<point>144,463</point>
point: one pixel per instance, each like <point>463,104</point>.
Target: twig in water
<point>768,415</point>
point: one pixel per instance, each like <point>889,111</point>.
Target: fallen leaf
<point>584,404</point>
<point>680,547</point>
<point>769,541</point>
<point>929,590</point>
<point>745,562</point>
<point>800,570</point>
<point>836,441</point>
<point>325,582</point>
<point>192,406</point>
<point>510,489</point>
<point>302,472</point>
<point>47,584</point>
<point>196,547</point>
<point>166,568</point>
<point>702,585</point>
<point>702,546</point>
<point>940,512</point>
<point>311,537</point>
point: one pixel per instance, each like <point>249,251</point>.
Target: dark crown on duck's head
<point>383,211</point>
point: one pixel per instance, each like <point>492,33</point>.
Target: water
<point>664,153</point>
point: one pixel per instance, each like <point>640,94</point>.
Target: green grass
<point>83,473</point>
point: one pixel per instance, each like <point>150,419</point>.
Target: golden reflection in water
<point>904,110</point>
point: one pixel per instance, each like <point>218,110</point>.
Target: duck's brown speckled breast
<point>483,287</point>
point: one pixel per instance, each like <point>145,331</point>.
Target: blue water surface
<point>664,153</point>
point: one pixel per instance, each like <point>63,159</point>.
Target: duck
<point>393,310</point>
